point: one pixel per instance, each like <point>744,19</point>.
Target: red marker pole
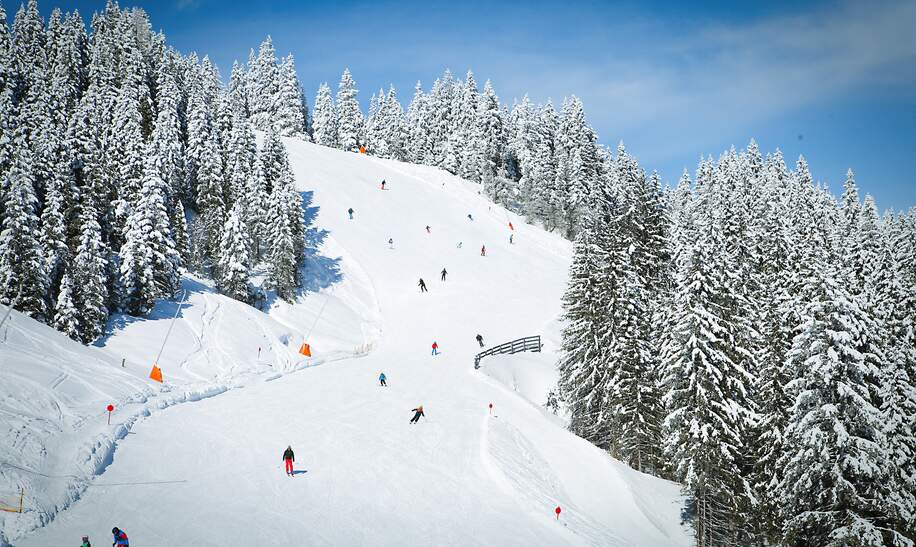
<point>557,511</point>
<point>109,408</point>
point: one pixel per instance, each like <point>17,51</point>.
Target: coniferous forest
<point>745,333</point>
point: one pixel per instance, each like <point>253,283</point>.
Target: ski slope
<point>209,472</point>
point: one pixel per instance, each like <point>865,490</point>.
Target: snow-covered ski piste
<point>208,471</point>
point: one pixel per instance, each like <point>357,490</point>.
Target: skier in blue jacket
<point>382,380</point>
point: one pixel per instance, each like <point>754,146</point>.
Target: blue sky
<point>835,81</point>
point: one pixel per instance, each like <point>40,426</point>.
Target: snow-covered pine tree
<point>66,315</point>
<point>288,117</point>
<point>583,366</point>
<point>837,485</point>
<point>706,394</point>
<point>89,273</point>
<point>416,147</point>
<point>282,265</point>
<point>349,116</point>
<point>488,135</point>
<point>149,261</point>
<point>265,85</point>
<point>166,137</point>
<point>23,271</point>
<point>324,118</point>
<point>53,236</point>
<point>234,262</point>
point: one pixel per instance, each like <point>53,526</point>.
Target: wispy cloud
<point>183,5</point>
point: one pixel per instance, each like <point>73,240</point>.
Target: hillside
<point>210,472</point>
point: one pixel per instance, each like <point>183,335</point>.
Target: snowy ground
<point>209,473</point>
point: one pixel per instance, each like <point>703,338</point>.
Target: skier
<point>483,250</point>
<point>391,243</point>
<point>427,229</point>
<point>288,459</point>
<point>86,542</point>
<point>459,244</point>
<point>417,413</point>
<point>470,217</point>
<point>120,538</point>
<point>444,273</point>
<point>435,348</point>
<point>510,238</point>
<point>480,340</point>
<point>383,184</point>
<point>422,286</point>
<point>511,227</point>
<point>382,380</point>
<point>350,212</point>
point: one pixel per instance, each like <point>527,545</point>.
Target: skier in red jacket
<point>435,348</point>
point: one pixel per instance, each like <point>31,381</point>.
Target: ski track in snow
<point>367,477</point>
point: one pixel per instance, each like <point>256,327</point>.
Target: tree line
<point>753,338</point>
<point>123,162</point>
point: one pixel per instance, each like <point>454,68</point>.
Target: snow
<point>210,472</point>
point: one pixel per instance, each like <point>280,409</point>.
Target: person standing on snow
<point>85,542</point>
<point>120,538</point>
<point>483,250</point>
<point>435,348</point>
<point>444,273</point>
<point>391,243</point>
<point>480,340</point>
<point>288,459</point>
<point>350,212</point>
<point>510,238</point>
<point>382,380</point>
<point>427,229</point>
<point>417,413</point>
<point>422,285</point>
<point>383,184</point>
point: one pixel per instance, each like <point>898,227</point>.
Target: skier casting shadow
<point>417,413</point>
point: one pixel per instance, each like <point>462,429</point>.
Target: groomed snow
<point>209,473</point>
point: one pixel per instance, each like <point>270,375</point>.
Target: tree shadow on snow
<point>164,309</point>
<point>317,272</point>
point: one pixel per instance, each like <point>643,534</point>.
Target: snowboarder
<point>422,285</point>
<point>435,348</point>
<point>288,459</point>
<point>383,184</point>
<point>444,273</point>
<point>480,340</point>
<point>510,238</point>
<point>86,542</point>
<point>427,229</point>
<point>483,250</point>
<point>120,538</point>
<point>383,380</point>
<point>350,212</point>
<point>391,243</point>
<point>470,217</point>
<point>417,413</point>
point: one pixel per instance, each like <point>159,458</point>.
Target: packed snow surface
<point>210,472</point>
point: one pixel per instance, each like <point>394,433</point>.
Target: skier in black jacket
<point>289,458</point>
<point>480,340</point>
<point>444,273</point>
<point>417,413</point>
<point>422,285</point>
